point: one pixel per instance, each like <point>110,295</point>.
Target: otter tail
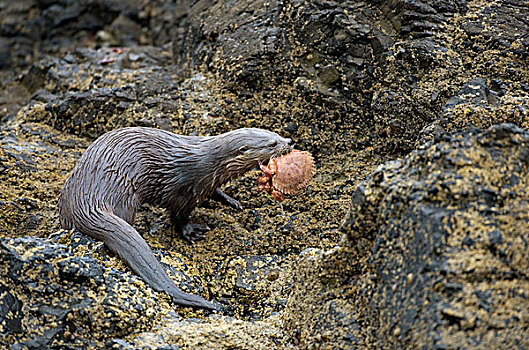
<point>126,242</point>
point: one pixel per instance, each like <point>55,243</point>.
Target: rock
<point>219,332</point>
<point>248,280</point>
<point>477,105</point>
<point>281,43</point>
<point>319,310</point>
<point>95,98</point>
<point>433,254</point>
<point>490,20</point>
<point>28,195</point>
<point>29,29</point>
<point>239,60</point>
<point>5,54</point>
<point>53,298</point>
<point>336,56</point>
<point>355,83</point>
<point>60,295</point>
<point>397,132</point>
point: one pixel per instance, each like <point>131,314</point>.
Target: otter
<point>127,167</point>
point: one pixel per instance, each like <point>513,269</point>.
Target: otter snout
<point>283,148</point>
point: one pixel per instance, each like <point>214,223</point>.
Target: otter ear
<point>243,149</point>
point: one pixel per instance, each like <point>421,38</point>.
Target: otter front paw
<point>194,232</point>
<point>222,197</point>
<point>232,202</point>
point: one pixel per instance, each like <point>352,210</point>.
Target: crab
<point>286,174</point>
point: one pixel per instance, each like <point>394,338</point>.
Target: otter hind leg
<point>127,243</point>
<point>222,197</point>
<point>190,232</point>
<point>194,232</point>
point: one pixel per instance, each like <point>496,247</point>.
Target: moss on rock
<point>434,254</point>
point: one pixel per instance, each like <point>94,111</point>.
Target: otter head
<point>245,148</point>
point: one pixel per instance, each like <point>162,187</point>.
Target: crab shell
<point>290,172</point>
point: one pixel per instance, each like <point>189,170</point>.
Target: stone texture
<point>355,83</point>
<point>434,255</point>
<point>51,298</point>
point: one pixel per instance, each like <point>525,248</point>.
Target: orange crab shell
<point>291,172</point>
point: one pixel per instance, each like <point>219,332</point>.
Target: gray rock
<point>433,255</point>
<point>53,297</point>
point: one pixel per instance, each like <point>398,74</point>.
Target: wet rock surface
<point>433,251</point>
<point>443,261</point>
<point>53,298</point>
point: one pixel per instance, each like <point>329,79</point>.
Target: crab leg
<point>266,170</point>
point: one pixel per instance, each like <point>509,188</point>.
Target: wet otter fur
<point>127,167</point>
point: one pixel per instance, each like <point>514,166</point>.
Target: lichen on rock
<point>434,253</point>
<point>429,254</point>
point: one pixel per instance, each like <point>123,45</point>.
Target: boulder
<point>434,253</point>
<point>52,297</point>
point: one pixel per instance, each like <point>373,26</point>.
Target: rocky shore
<point>412,234</point>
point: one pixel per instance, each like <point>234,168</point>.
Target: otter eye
<point>272,144</point>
